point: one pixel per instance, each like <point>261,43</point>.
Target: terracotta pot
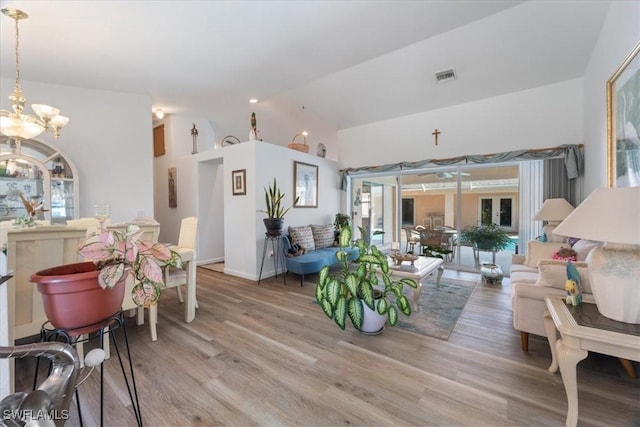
<point>73,298</point>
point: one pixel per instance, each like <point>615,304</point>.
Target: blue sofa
<point>314,260</point>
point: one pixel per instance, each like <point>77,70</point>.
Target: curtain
<point>572,156</point>
<point>556,183</point>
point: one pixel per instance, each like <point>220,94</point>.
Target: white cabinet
<point>41,173</point>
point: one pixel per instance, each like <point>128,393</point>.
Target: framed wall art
<point>305,181</point>
<point>173,187</point>
<point>239,182</point>
<point>623,123</point>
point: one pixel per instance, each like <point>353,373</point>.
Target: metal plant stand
<point>83,334</point>
<point>278,256</point>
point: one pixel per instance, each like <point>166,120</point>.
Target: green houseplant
<point>488,236</point>
<point>274,222</point>
<point>354,292</point>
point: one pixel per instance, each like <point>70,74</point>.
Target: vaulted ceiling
<point>349,62</point>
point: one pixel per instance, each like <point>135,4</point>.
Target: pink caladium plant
<point>117,254</point>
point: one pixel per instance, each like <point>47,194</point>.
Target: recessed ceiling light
<point>159,113</point>
<point>253,101</point>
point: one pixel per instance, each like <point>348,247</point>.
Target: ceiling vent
<point>446,76</point>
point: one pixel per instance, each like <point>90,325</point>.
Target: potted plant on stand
<point>81,294</point>
<point>356,292</point>
<point>487,237</point>
<point>274,222</point>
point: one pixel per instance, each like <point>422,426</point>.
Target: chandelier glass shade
<point>18,124</point>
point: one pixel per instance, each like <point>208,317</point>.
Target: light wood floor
<point>267,355</point>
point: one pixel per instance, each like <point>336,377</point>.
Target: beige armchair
<point>537,275</point>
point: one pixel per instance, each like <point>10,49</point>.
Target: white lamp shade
<point>553,210</point>
<point>607,215</point>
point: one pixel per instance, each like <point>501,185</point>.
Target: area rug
<point>217,266</point>
<point>440,308</point>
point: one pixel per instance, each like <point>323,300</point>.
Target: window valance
<point>573,158</point>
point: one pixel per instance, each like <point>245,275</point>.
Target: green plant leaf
<point>351,282</point>
<point>323,276</point>
<point>396,288</point>
<point>332,291</point>
<point>409,282</point>
<point>392,315</point>
<point>404,306</point>
<point>372,259</point>
<point>365,291</point>
<point>341,256</point>
<point>384,265</point>
<point>319,293</point>
<point>345,236</point>
<point>383,306</point>
<point>360,271</point>
<point>327,308</point>
<point>386,280</point>
<point>356,312</point>
<point>340,313</point>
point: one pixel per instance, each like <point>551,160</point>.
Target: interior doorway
<point>408,212</point>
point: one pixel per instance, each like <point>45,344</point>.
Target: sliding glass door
<point>375,209</point>
<point>445,200</point>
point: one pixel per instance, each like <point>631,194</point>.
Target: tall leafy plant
<point>274,201</point>
<point>357,283</point>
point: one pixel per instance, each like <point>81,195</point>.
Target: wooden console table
<point>584,329</point>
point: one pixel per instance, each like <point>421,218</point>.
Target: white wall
<point>178,148</point>
<point>243,225</point>
<point>108,138</point>
<point>620,33</point>
<point>542,117</point>
<point>230,228</point>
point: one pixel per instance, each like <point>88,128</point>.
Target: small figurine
<point>572,285</point>
<point>254,134</point>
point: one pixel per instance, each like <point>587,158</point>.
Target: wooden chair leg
<point>524,338</point>
<point>153,319</point>
<point>628,368</point>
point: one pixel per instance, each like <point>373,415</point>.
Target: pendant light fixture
<point>17,124</point>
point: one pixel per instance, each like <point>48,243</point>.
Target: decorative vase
<point>373,322</point>
<point>491,274</point>
<point>613,273</point>
<point>73,298</point>
<point>274,226</point>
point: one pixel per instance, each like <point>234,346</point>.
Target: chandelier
<point>16,123</point>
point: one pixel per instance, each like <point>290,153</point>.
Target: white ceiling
<point>349,62</point>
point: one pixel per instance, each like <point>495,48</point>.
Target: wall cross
<point>436,133</point>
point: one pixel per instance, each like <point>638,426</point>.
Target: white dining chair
<point>177,277</point>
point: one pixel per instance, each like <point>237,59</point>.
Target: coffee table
<point>422,268</point>
<point>583,329</point>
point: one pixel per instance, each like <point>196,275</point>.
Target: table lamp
<point>611,215</point>
<point>553,211</point>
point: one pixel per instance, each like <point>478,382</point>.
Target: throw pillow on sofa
<point>583,247</point>
<point>323,236</point>
<point>302,236</point>
<point>537,250</point>
<point>553,273</point>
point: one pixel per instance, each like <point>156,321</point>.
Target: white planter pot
<point>373,323</point>
<point>613,272</point>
